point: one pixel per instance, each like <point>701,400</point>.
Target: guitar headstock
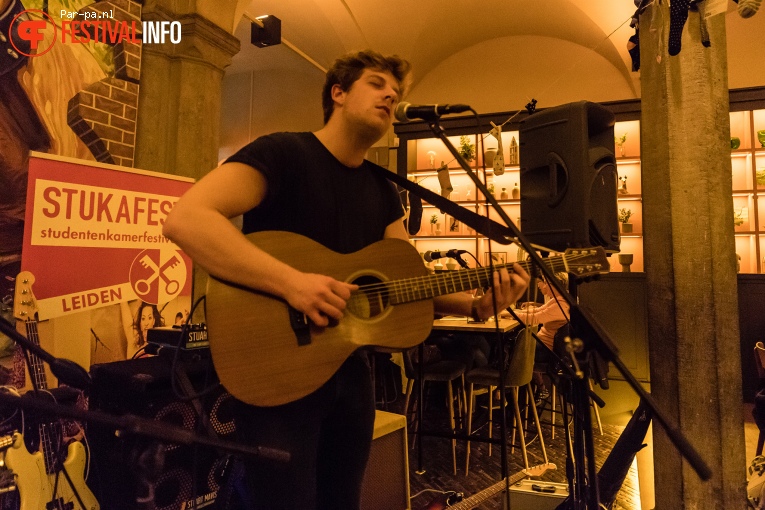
<point>24,302</point>
<point>540,469</point>
<point>584,262</point>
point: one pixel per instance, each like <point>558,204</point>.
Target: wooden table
<point>461,325</point>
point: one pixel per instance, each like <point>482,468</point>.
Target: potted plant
<point>467,149</point>
<point>490,187</point>
<point>738,217</point>
<point>624,218</point>
<point>760,177</point>
<point>435,226</point>
<point>620,141</point>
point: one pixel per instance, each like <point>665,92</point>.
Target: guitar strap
<point>483,224</point>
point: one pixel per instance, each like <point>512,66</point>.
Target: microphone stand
<point>72,374</point>
<point>132,425</point>
<point>584,326</point>
<point>461,261</point>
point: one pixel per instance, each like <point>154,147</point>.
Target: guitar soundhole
<point>371,299</point>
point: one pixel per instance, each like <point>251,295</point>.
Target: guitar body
<point>266,354</point>
<point>255,350</point>
<point>35,485</point>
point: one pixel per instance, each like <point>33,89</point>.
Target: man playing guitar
<point>320,186</point>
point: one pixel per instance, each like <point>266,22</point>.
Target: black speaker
<point>130,469</point>
<point>569,178</point>
<point>267,35</point>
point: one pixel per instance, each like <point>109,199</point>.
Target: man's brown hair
<point>347,69</point>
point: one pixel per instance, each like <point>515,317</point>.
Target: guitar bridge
<point>301,326</point>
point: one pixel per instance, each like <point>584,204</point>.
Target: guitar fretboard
<point>427,287</point>
<point>37,368</point>
<point>49,432</point>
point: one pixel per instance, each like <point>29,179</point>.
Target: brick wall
<point>104,114</point>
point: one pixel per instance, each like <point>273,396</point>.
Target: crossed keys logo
<point>157,276</point>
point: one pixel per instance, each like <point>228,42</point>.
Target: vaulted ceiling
<point>492,54</point>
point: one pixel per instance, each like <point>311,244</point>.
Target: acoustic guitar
<point>266,353</point>
<point>43,482</point>
<point>488,492</point>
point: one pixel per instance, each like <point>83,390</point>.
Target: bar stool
<point>520,367</point>
<point>445,371</point>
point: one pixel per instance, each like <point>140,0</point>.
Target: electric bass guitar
<point>488,492</point>
<point>44,483</point>
<point>266,353</point>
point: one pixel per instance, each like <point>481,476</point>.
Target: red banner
<point>93,236</point>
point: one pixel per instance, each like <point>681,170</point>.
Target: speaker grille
<point>170,474</point>
<point>386,479</point>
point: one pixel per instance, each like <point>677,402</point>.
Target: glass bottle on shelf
<point>516,192</point>
<point>503,195</point>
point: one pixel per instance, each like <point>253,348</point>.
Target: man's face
<point>370,101</point>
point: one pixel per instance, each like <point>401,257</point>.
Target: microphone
<point>430,256</point>
<point>406,112</point>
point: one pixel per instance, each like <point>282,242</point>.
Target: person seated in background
<point>552,315</point>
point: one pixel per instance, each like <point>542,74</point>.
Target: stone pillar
<point>180,94</point>
<point>690,260</point>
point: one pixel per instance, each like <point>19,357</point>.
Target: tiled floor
<point>485,470</point>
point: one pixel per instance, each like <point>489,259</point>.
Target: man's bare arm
<point>200,224</point>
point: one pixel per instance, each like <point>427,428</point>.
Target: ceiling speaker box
<point>267,35</point>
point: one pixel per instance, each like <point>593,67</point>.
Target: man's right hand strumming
<point>319,297</point>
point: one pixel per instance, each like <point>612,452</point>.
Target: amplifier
<point>386,479</point>
<point>537,495</point>
<point>196,337</point>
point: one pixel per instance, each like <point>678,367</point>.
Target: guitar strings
<point>429,281</point>
<point>445,278</point>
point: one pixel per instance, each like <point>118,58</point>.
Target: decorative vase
<point>438,229</point>
<point>626,228</point>
<point>516,192</point>
<point>451,266</point>
<point>735,142</point>
<point>488,157</point>
<point>625,259</point>
<point>503,195</point>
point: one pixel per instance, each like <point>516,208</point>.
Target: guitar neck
<point>49,432</point>
<point>36,365</point>
<point>449,282</point>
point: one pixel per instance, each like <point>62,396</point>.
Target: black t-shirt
<point>313,194</point>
